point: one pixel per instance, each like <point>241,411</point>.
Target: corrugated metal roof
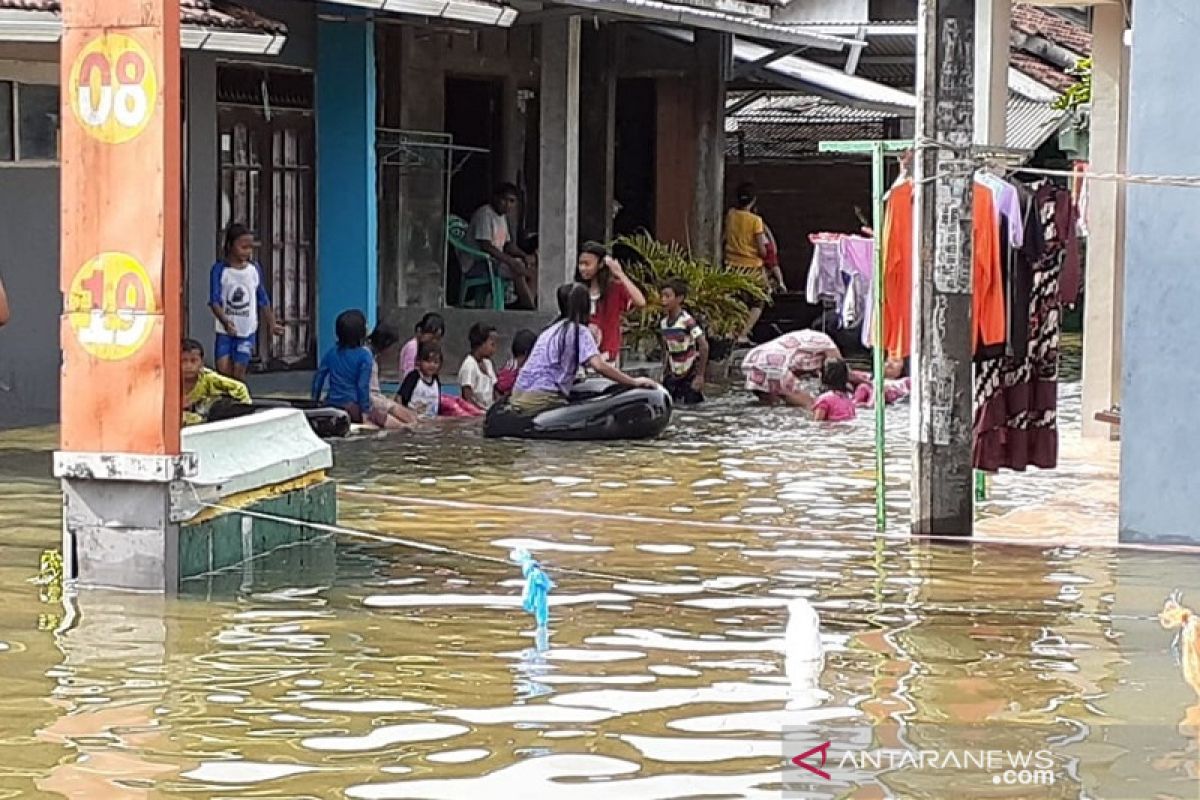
<point>802,75</point>
<point>205,13</point>
<point>1031,123</point>
<point>790,127</point>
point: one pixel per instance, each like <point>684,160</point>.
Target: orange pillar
<point>121,283</point>
<point>121,187</point>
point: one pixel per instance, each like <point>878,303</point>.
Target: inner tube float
<point>598,410</point>
<point>325,421</point>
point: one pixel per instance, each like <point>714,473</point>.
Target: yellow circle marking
<point>111,306</point>
<point>113,88</point>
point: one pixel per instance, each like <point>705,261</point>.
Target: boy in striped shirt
<point>685,347</point>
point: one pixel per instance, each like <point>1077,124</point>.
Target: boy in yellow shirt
<point>203,388</point>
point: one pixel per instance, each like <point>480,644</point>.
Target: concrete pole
<point>597,131</point>
<point>121,278</point>
<point>993,20</point>
<point>712,52</point>
<point>942,420</point>
<point>558,190</point>
<point>1105,275</point>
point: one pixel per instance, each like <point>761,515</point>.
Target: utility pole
<point>942,321</point>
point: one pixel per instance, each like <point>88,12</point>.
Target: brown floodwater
<point>393,673</point>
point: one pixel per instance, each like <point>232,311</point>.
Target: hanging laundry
<point>987,305</point>
<point>1016,396</point>
<point>987,302</point>
<point>1007,205</point>
<point>897,242</point>
<point>825,271</point>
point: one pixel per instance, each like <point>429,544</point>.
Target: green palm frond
<point>715,293</point>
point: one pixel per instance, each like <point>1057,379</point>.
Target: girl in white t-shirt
<point>421,390</point>
<point>477,376</point>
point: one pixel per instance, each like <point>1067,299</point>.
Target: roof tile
<point>1036,21</point>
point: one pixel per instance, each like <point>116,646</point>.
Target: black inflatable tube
<point>326,422</point>
<point>599,410</point>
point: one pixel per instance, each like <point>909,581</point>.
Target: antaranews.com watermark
<point>998,760</point>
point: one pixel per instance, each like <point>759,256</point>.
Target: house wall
<point>414,63</point>
<point>1160,431</point>
<point>797,199</point>
<point>29,264</point>
<point>201,149</point>
<point>29,220</point>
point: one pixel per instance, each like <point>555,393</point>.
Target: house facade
<point>346,134</point>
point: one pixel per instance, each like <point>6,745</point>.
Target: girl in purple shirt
<point>561,350</point>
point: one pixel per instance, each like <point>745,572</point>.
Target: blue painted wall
<point>347,234</point>
<point>1160,423</point>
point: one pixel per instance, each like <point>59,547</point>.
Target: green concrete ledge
<point>241,546</point>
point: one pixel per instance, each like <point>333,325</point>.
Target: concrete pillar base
<point>117,527</point>
<point>154,523</point>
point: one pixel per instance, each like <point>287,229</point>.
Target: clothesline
<point>981,154</point>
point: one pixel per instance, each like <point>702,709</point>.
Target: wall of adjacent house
<point>1160,459</point>
<point>29,263</point>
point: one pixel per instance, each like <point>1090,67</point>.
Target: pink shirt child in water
<point>836,402</point>
<point>834,407</point>
<point>895,387</point>
<point>893,392</point>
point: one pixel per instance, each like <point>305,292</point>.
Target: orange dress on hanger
<point>897,242</point>
<point>987,300</point>
<point>989,325</point>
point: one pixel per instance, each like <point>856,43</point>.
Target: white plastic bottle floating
<point>804,656</point>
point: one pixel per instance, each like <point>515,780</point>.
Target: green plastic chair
<point>494,283</point>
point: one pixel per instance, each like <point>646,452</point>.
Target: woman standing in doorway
<point>748,246</point>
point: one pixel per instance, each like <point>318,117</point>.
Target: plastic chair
<point>495,284</point>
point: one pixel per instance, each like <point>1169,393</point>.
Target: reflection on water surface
<point>402,674</point>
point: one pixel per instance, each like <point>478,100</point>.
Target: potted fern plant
<point>715,293</point>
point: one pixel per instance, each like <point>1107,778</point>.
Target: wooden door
<point>267,183</point>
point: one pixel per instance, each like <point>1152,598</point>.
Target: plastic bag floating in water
<point>535,598</point>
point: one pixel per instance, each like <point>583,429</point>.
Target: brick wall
<point>797,199</point>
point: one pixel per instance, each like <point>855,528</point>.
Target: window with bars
<point>29,122</point>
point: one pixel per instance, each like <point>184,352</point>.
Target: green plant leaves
<point>716,294</point>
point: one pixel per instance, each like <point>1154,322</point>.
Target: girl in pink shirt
<point>836,402</point>
<point>431,328</point>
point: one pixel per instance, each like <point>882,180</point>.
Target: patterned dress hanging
<point>1016,394</point>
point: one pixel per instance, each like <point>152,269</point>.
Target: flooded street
<point>395,673</point>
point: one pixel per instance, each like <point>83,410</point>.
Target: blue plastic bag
<point>535,598</point>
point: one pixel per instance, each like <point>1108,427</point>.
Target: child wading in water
<point>347,367</point>
<point>386,412</point>
<point>522,346</point>
<point>477,376</point>
<point>421,390</point>
<point>431,328</point>
<point>205,390</point>
<point>685,347</point>
<point>236,293</point>
<point>836,402</point>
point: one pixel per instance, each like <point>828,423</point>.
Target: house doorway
<point>266,133</point>
<point>474,118</point>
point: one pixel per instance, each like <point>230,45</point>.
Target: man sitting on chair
<point>491,232</point>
